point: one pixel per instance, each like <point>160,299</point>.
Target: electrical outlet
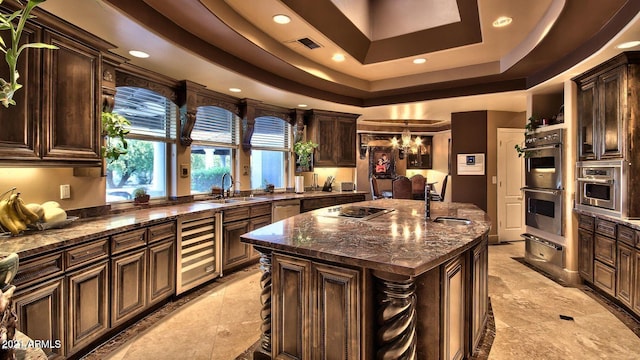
<point>65,191</point>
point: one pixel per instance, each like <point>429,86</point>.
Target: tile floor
<point>221,321</point>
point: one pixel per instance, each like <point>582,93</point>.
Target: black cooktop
<point>362,212</point>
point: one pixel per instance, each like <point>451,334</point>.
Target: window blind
<point>215,125</point>
<point>271,132</point>
<point>150,113</point>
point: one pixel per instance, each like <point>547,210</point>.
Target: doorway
<point>510,181</point>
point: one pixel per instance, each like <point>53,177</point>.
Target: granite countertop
<point>400,241</point>
<point>632,223</point>
<point>34,242</point>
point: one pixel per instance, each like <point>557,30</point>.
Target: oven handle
<point>542,147</point>
<point>551,192</point>
<point>596,181</point>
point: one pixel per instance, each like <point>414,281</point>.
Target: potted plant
<point>114,129</point>
<point>531,126</point>
<point>140,196</point>
<point>13,49</point>
<point>304,153</point>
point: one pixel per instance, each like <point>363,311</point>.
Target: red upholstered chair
<point>417,186</point>
<point>401,188</point>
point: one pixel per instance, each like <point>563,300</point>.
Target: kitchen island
<point>353,282</point>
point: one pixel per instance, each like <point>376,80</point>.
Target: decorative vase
<point>8,268</point>
<point>299,184</point>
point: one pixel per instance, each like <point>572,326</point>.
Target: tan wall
<point>495,120</point>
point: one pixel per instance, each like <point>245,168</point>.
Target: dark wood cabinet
<point>236,222</point>
<point>636,283</point>
<point>128,285</point>
<point>335,134</point>
<point>602,99</point>
<point>88,306</point>
<point>585,254</point>
<point>161,274</point>
<point>318,307</point>
<point>624,274</point>
<point>71,106</point>
<point>453,309</point>
<point>41,312</point>
<point>604,277</point>
<point>479,293</point>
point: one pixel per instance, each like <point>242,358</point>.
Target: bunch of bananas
<point>15,215</point>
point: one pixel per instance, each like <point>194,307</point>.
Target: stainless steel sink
<point>452,220</point>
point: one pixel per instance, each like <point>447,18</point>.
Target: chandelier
<point>405,144</point>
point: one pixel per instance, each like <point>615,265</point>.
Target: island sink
<point>452,220</point>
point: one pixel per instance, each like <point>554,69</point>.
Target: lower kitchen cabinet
<point>128,285</point>
<point>236,222</point>
<point>332,324</point>
<point>88,310</point>
<point>162,274</point>
<point>41,313</point>
<point>585,255</point>
<point>479,292</point>
<point>636,282</point>
<point>624,273</point>
<point>604,277</point>
<point>453,309</point>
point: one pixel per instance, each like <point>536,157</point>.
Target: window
<point>153,126</point>
<point>270,148</point>
<point>215,138</point>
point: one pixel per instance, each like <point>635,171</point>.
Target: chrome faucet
<point>230,186</point>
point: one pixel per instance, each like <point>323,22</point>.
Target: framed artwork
<point>422,157</point>
<point>382,162</point>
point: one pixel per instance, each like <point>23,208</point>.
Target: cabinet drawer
<point>84,254</point>
<point>586,222</point>
<point>604,277</point>
<point>129,240</point>
<point>262,209</point>
<point>605,250</point>
<point>313,204</point>
<point>606,228</point>
<point>627,235</point>
<point>38,269</point>
<point>236,214</point>
<point>162,232</point>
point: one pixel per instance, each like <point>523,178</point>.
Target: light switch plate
<point>184,170</point>
<point>65,191</point>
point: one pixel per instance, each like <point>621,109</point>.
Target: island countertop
<point>399,242</point>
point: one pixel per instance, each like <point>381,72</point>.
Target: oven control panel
<point>543,138</point>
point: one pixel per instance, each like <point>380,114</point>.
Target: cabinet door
<point>585,255</point>
<point>235,252</point>
<point>71,110</point>
<point>40,314</point>
<point>636,282</point>
<point>88,306</point>
<point>257,223</point>
<point>162,271</point>
<point>612,95</point>
<point>604,277</point>
<point>346,145</point>
<point>480,293</point>
<point>129,285</point>
<point>20,123</point>
<point>324,136</point>
<point>587,115</point>
<point>624,274</point>
<point>290,308</point>
<point>453,309</point>
<point>336,316</point>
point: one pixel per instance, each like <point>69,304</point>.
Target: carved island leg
<point>264,350</point>
<point>396,316</point>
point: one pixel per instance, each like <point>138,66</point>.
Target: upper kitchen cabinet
<point>56,119</point>
<point>606,109</point>
<point>335,134</point>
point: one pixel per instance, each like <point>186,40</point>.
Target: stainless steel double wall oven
<point>543,179</point>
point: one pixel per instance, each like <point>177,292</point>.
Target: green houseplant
<point>115,129</point>
<point>140,195</point>
<point>304,151</point>
<point>532,125</point>
<point>13,49</point>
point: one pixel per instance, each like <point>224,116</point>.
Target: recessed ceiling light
<point>138,54</point>
<point>502,21</point>
<point>236,90</point>
<point>302,105</point>
<point>628,44</point>
<point>281,19</point>
<point>338,57</point>
<point>419,61</point>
